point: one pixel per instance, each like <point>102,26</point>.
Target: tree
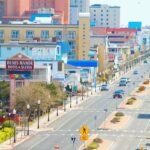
<point>4,90</point>
<point>30,95</point>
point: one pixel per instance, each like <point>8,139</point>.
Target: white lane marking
<point>39,141</point>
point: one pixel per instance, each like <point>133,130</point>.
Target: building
<point>78,36</point>
<point>105,15</point>
<point>60,6</point>
<point>83,5</point>
<point>2,8</point>
<point>77,6</point>
<point>74,14</point>
<point>15,9</point>
<point>48,59</point>
<point>27,7</point>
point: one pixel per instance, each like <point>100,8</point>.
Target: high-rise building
<point>2,8</point>
<point>83,5</point>
<point>77,6</point>
<point>105,16</point>
<point>60,6</point>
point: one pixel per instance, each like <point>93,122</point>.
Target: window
<point>58,34</point>
<point>45,34</point>
<point>1,34</point>
<point>71,35</point>
<point>29,34</point>
<point>72,44</point>
<point>59,66</point>
<point>14,34</point>
<point>8,48</point>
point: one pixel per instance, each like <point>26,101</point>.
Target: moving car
<point>121,91</point>
<point>104,87</point>
<point>135,72</point>
<point>117,94</point>
<point>145,61</point>
<point>122,83</point>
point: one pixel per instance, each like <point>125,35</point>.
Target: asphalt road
<point>69,124</point>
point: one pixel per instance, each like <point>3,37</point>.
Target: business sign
<point>19,65</point>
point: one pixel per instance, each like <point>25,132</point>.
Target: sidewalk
<point>21,136</point>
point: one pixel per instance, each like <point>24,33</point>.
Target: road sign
<point>141,148</point>
<point>84,137</point>
<point>84,130</point>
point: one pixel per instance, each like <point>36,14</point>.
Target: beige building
<point>78,36</point>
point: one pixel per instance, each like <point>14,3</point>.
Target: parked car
<point>117,94</point>
<point>122,83</point>
<point>135,72</point>
<point>104,87</point>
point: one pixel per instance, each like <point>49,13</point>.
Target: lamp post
<point>82,92</point>
<point>9,117</point>
<point>76,98</point>
<point>3,120</point>
<point>48,119</point>
<point>91,88</point>
<point>64,100</point>
<point>28,109</point>
<point>39,102</point>
<point>14,112</point>
<point>70,101</point>
<point>57,114</point>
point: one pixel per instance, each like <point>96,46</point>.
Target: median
<point>130,103</point>
<point>115,121</point>
<point>96,143</point>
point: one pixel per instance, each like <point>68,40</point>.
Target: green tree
<point>4,90</point>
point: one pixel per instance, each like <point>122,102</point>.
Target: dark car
<point>121,91</point>
<point>135,72</point>
<point>117,94</point>
<point>145,61</point>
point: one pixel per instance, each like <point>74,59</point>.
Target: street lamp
<point>70,101</point>
<point>82,92</point>
<point>91,88</point>
<point>14,112</point>
<point>48,119</point>
<point>64,100</point>
<point>3,120</point>
<point>39,102</point>
<point>9,117</point>
<point>28,109</point>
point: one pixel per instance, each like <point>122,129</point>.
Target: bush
<point>87,148</point>
<point>115,120</point>
<point>8,124</point>
<point>141,88</point>
<point>6,134</point>
<point>93,145</point>
<point>119,114</point>
<point>146,82</point>
<point>131,101</point>
<point>98,140</point>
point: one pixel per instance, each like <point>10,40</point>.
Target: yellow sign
<point>84,137</point>
<point>84,130</point>
<point>141,148</point>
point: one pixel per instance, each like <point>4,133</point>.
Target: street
<point>63,128</point>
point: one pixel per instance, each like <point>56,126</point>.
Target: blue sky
<point>131,10</point>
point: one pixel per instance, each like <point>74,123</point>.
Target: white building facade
<point>105,16</point>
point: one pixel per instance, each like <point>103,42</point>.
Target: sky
<point>131,10</point>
